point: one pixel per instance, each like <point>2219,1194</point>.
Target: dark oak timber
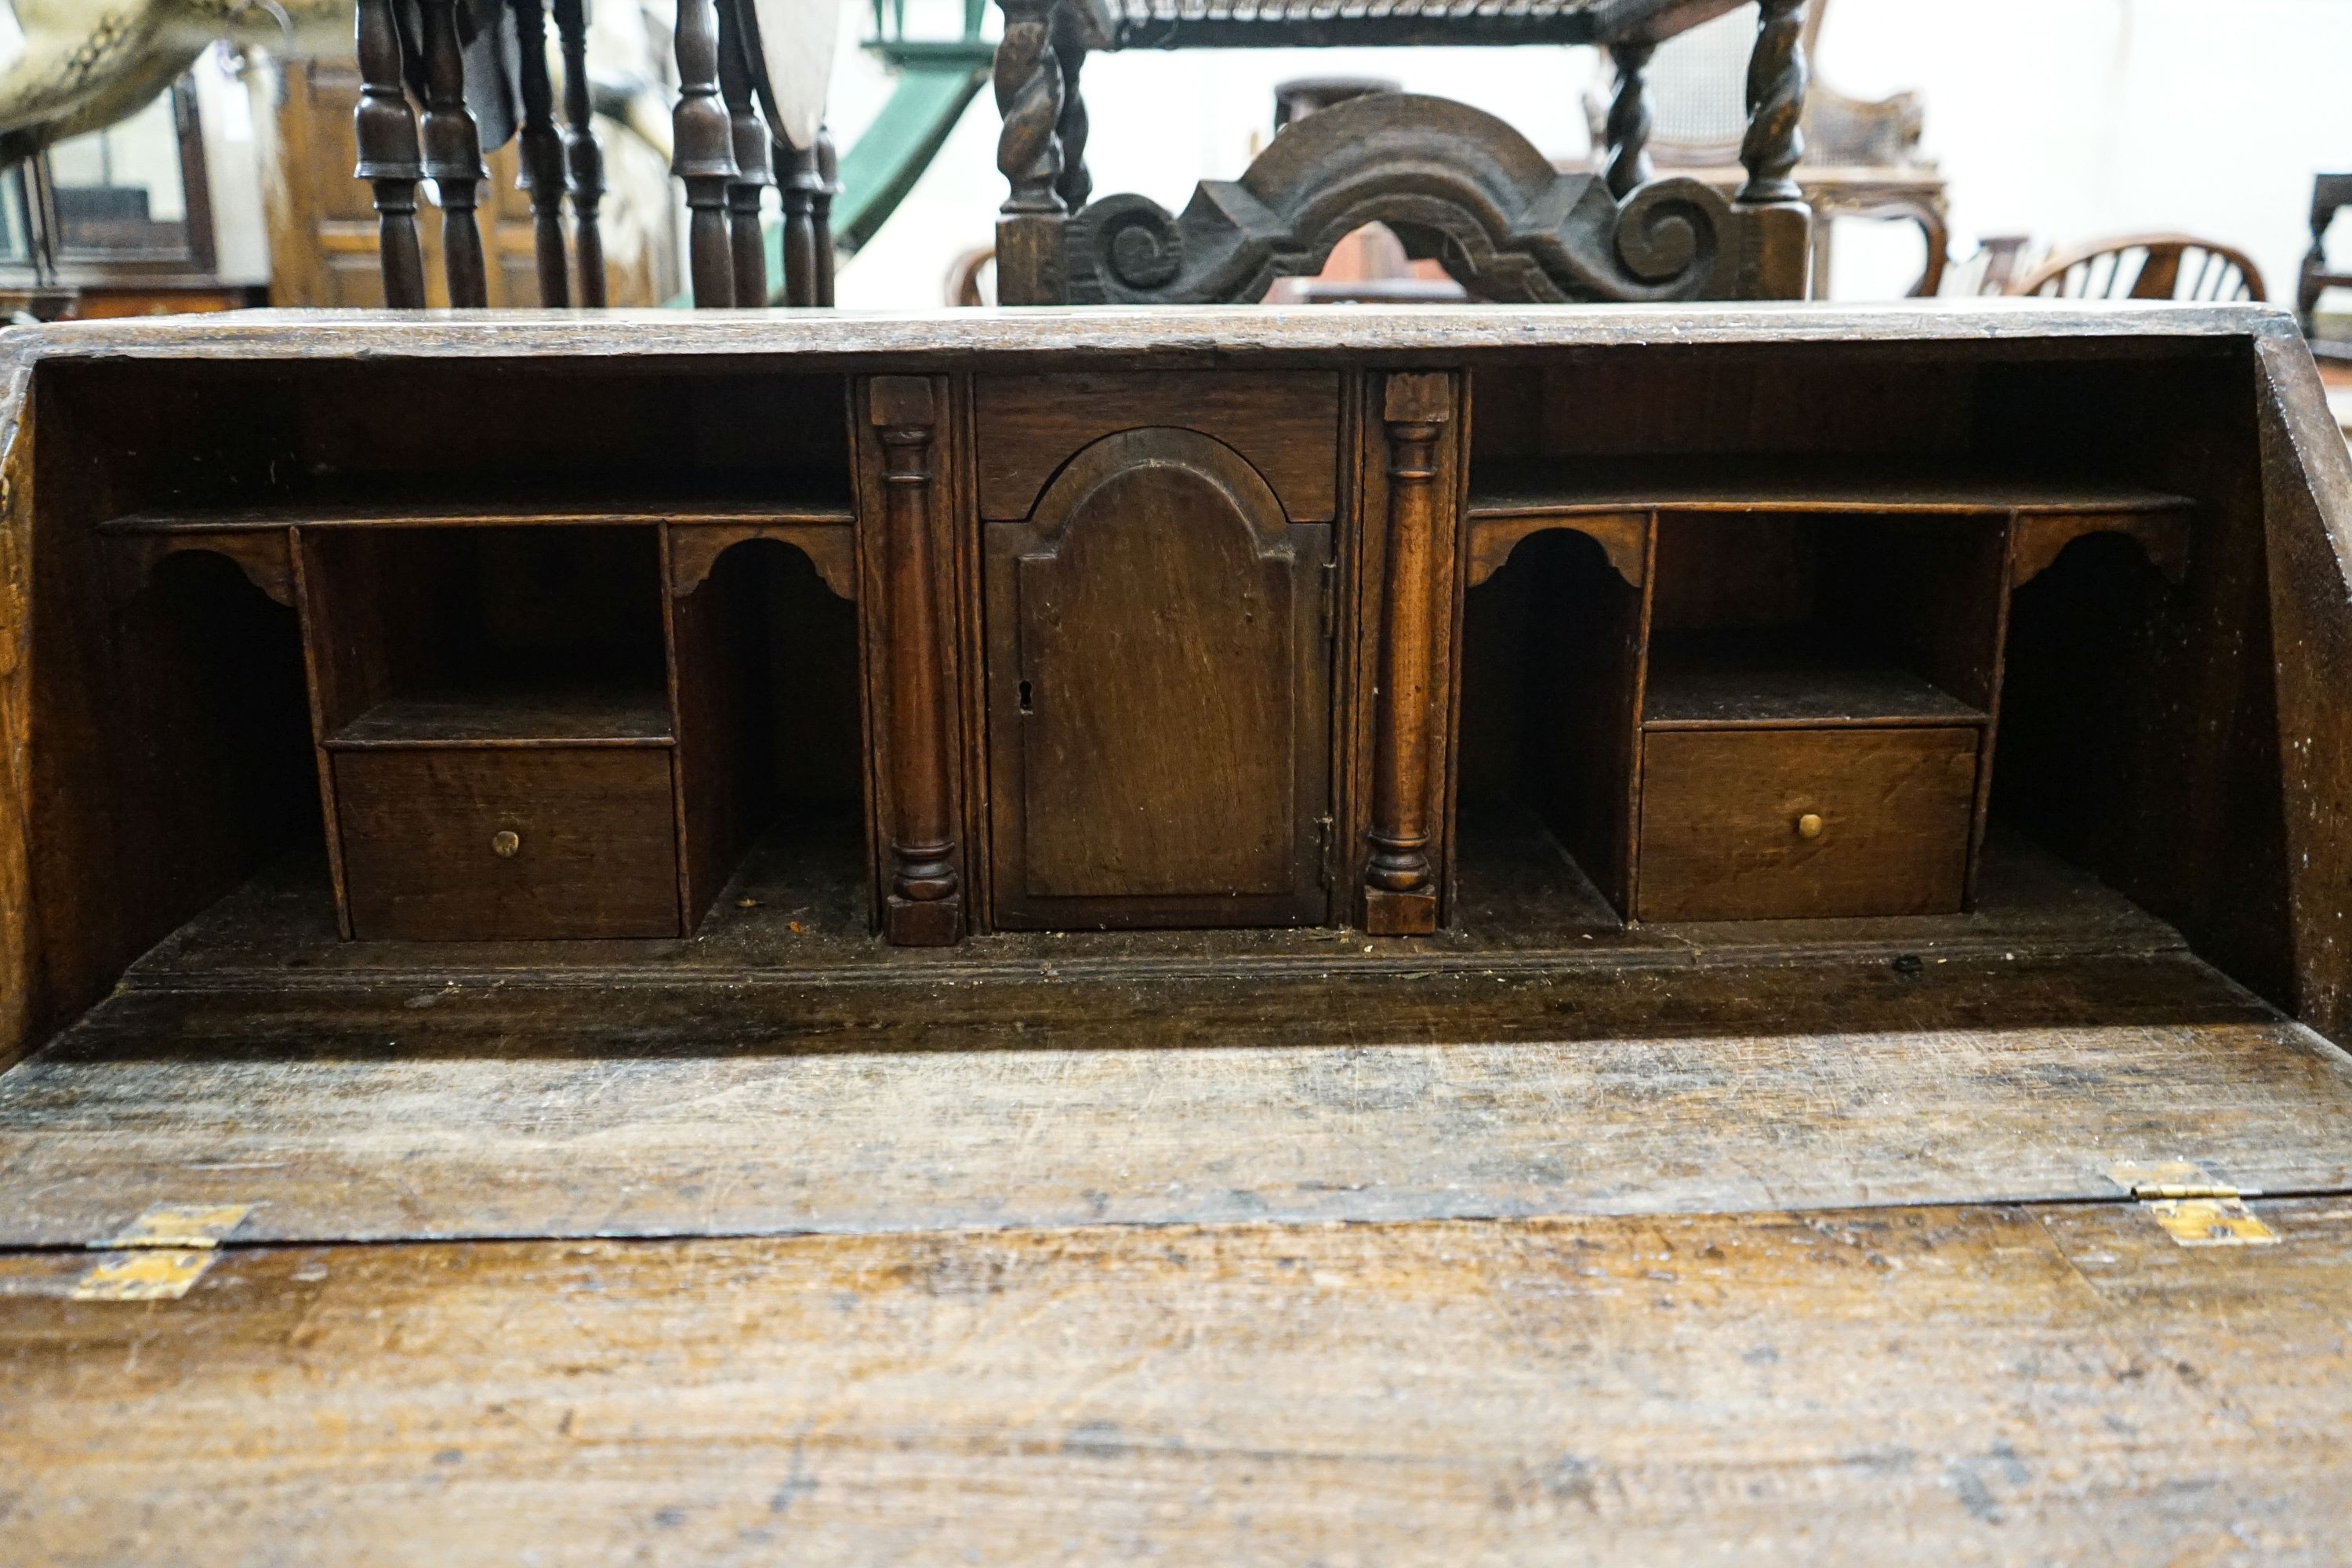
<point>584,160</point>
<point>542,153</point>
<point>1139,620</point>
<point>384,129</point>
<point>1399,882</point>
<point>453,154</point>
<point>924,907</point>
<point>754,171</point>
<point>703,154</point>
<point>710,937</point>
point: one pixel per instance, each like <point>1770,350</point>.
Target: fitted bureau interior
<point>431,662</point>
<point>1768,640</point>
<point>468,654</point>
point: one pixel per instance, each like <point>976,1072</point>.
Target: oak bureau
<point>1473,631</point>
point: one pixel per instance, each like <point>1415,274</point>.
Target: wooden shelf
<point>520,715</point>
<point>818,505</point>
<point>1771,680</point>
<point>1569,486</point>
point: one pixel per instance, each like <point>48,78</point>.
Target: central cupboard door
<point>1159,695</point>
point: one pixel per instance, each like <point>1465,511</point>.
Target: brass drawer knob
<point>1810,825</point>
<point>505,843</point>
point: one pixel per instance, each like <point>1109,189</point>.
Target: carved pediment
<point>1456,184</point>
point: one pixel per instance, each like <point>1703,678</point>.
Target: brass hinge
<point>1330,598</point>
<point>1323,850</point>
<point>159,1256</point>
<point>2195,1207</point>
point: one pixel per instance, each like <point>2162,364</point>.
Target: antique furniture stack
<point>1454,183</point>
<point>2330,193</point>
<point>1861,156</point>
<point>2143,266</point>
<point>117,222</point>
<point>440,77</point>
<point>1471,625</point>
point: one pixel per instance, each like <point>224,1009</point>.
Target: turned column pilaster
<point>1399,881</point>
<point>924,904</point>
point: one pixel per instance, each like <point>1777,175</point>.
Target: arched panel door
<point>1159,695</point>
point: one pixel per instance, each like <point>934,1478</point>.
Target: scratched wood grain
<point>1158,333</point>
<point>501,1108</point>
<point>1946,1385</point>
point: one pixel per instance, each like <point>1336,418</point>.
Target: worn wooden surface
<point>1697,681</point>
<point>518,716</point>
<point>1162,333</point>
<point>1943,1384</point>
<point>427,1104</point>
<point>2307,481</point>
<point>1522,489</point>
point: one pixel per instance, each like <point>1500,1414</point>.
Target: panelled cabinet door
<point>1158,686</point>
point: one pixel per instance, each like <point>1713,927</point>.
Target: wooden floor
<point>1798,1245</point>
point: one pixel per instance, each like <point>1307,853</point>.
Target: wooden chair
<point>2329,192</point>
<point>1999,259</point>
<point>2145,267</point>
<point>1861,156</point>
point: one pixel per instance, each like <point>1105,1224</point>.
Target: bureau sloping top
<point>1166,336</point>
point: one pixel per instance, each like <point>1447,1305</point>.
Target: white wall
<point>2068,119</point>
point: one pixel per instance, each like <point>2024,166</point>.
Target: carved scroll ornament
<point>1456,184</point>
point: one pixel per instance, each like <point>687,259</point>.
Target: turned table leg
<point>583,160</point>
<point>384,128</point>
<point>453,156</point>
<point>543,153</point>
<point>703,154</point>
<point>753,172</point>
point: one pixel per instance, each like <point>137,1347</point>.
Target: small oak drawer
<point>508,843</point>
<point>1783,824</point>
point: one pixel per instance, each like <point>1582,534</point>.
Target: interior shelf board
<point>1765,682</point>
<point>820,507</point>
<point>621,715</point>
<point>1567,485</point>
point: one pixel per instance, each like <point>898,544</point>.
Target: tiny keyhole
<point>1026,706</point>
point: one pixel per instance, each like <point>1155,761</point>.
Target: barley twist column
<point>1029,95</point>
<point>1628,131</point>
